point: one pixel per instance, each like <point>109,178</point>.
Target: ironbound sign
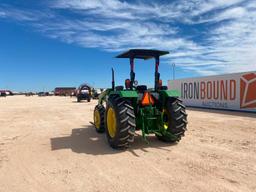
<point>235,91</point>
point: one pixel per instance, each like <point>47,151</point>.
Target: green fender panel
<point>170,93</point>
<point>164,94</point>
<point>128,94</point>
<point>125,93</point>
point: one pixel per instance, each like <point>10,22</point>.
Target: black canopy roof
<point>142,53</point>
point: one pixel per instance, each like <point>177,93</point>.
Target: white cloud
<point>2,14</point>
<point>224,42</point>
<point>206,6</point>
<point>23,15</point>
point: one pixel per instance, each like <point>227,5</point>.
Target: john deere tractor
<point>123,110</point>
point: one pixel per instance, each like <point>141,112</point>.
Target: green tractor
<point>135,107</point>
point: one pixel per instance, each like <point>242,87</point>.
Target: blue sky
<point>49,43</point>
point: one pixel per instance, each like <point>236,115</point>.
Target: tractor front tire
<point>175,121</point>
<point>98,116</point>
<point>119,122</point>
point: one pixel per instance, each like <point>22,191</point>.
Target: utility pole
<point>173,70</point>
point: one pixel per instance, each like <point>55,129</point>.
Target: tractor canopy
<point>142,54</point>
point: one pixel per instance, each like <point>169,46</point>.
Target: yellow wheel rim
<point>97,119</point>
<point>165,119</point>
<point>111,121</point>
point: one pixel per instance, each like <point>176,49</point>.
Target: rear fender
<point>164,94</point>
<point>125,93</point>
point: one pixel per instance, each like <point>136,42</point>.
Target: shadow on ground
<point>87,140</point>
<point>224,112</point>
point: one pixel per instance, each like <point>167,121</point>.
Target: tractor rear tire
<point>176,120</point>
<point>119,122</point>
<point>99,112</point>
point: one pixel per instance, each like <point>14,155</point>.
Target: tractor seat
<point>141,88</point>
<point>119,88</point>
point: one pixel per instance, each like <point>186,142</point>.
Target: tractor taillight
<point>147,99</point>
<point>127,83</point>
<point>160,82</point>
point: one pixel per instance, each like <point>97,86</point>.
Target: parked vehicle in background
<point>9,93</point>
<point>73,94</point>
<point>42,94</point>
<point>29,94</point>
<point>51,93</point>
<point>96,93</point>
<point>2,93</point>
<point>5,93</point>
<point>84,92</point>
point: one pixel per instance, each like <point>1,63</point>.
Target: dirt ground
<point>47,144</point>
